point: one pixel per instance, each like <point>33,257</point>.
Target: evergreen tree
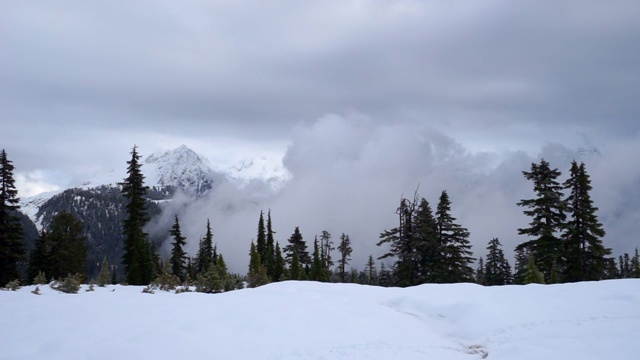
<point>67,246</point>
<point>481,278</point>
<point>12,247</point>
<point>430,251</point>
<point>138,257</point>
<point>547,212</point>
<point>326,247</point>
<point>296,242</point>
<point>179,257</point>
<point>635,265</point>
<point>370,268</point>
<point>497,270</point>
<point>455,240</point>
<point>402,245</point>
<point>257,275</point>
<point>532,274</point>
<point>295,270</point>
<point>384,276</point>
<point>38,261</point>
<point>345,255</point>
<point>104,276</point>
<point>584,254</point>
<point>522,258</point>
<point>271,252</point>
<point>278,265</point>
<point>317,272</point>
<point>624,263</point>
<point>261,243</point>
<point>205,255</point>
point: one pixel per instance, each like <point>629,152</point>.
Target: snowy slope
<point>307,320</point>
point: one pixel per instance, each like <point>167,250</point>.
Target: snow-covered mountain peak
<point>181,167</point>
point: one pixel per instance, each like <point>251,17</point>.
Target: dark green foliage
<point>105,275</point>
<point>345,250</point>
<point>481,279</point>
<point>257,275</point>
<point>178,258</point>
<point>584,254</point>
<point>12,246</point>
<point>326,247</point>
<point>138,256</point>
<point>40,279</point>
<point>167,281</point>
<point>522,258</point>
<point>497,270</point>
<point>38,257</point>
<point>370,270</point>
<point>13,285</point>
<point>455,240</point>
<point>295,270</point>
<point>429,249</point>
<point>205,258</point>
<point>278,265</point>
<point>547,213</point>
<point>297,243</point>
<point>635,265</point>
<point>261,242</point>
<point>66,247</point>
<point>402,246</point>
<point>70,284</point>
<point>318,271</point>
<point>532,274</point>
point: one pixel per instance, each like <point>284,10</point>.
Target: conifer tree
<point>278,265</point>
<point>402,244</point>
<point>178,258</point>
<point>67,246</point>
<point>481,279</point>
<point>635,265</point>
<point>430,252</point>
<point>520,267</point>
<point>547,212</point>
<point>370,268</point>
<point>257,275</point>
<point>38,261</point>
<point>261,242</point>
<point>295,270</point>
<point>12,247</point>
<point>497,270</point>
<point>205,255</point>
<point>345,255</point>
<point>138,256</point>
<point>532,274</point>
<point>271,251</point>
<point>104,276</point>
<point>584,253</point>
<point>455,240</point>
<point>297,242</point>
<point>317,272</point>
<point>326,247</point>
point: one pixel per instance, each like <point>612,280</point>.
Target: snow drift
<point>308,320</point>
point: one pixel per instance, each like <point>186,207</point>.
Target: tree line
<point>564,244</point>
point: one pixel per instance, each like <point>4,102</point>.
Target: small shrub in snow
<point>40,279</point>
<point>13,285</point>
<point>90,288</point>
<point>69,285</point>
<point>36,291</point>
<point>166,281</point>
<point>148,289</point>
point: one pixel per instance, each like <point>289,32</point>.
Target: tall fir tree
<point>67,246</point>
<point>480,277</point>
<point>402,244</point>
<point>38,259</point>
<point>257,275</point>
<point>205,257</point>
<point>430,251</point>
<point>345,249</point>
<point>261,242</point>
<point>297,243</point>
<point>497,270</point>
<point>271,251</point>
<point>12,247</point>
<point>278,265</point>
<point>455,240</point>
<point>547,213</point>
<point>326,247</point>
<point>179,257</point>
<point>370,269</point>
<point>138,253</point>
<point>584,254</point>
<point>317,272</point>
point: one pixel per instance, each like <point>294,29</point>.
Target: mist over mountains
<point>346,174</point>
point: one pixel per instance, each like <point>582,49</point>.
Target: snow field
<point>308,320</point>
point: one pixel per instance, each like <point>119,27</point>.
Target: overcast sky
<point>81,82</point>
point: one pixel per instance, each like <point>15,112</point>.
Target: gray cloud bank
<point>348,175</point>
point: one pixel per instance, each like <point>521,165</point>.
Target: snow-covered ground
<point>307,320</point>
